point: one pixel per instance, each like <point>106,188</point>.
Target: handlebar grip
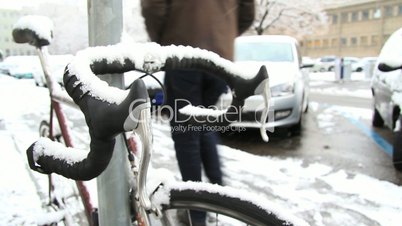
<point>104,120</point>
<point>46,156</point>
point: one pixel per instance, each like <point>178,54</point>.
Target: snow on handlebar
<point>109,110</point>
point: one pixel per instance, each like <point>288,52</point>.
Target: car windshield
<point>264,51</point>
<point>327,59</point>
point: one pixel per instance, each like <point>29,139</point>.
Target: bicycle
<point>110,111</point>
<point>56,203</point>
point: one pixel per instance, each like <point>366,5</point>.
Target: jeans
<point>194,148</point>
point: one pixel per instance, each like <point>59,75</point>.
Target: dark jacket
<point>207,24</point>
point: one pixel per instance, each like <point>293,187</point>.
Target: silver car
<point>289,83</point>
<point>387,92</point>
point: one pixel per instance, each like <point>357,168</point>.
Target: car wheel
<point>397,153</point>
<point>377,119</point>
<point>305,110</point>
<point>296,129</point>
<point>359,69</point>
<point>331,68</point>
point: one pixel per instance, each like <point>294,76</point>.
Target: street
<point>336,131</point>
<point>321,176</point>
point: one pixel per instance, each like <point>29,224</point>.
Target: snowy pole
<point>105,24</point>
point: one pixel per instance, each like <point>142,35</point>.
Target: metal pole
<point>105,20</point>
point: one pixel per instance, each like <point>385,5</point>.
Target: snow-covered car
<point>352,61</point>
<point>288,80</point>
<point>387,93</point>
<point>365,63</point>
<point>17,67</point>
<point>323,64</point>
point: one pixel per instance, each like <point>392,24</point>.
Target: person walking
<point>207,24</point>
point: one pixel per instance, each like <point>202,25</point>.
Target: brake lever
<point>264,90</point>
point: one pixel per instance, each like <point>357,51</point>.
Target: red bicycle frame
<point>57,98</point>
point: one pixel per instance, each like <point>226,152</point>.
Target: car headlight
<point>283,89</point>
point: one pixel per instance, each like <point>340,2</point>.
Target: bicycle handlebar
<point>109,111</point>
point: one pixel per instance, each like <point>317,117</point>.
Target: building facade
<point>356,28</point>
<point>8,17</point>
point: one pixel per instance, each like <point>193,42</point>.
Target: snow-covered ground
<point>322,78</point>
<point>316,192</point>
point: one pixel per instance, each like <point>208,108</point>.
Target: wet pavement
<point>336,131</point>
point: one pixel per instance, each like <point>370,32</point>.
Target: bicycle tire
<point>224,204</point>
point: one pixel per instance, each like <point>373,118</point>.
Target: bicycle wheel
<point>224,206</point>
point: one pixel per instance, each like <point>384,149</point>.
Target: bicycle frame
<point>56,99</point>
<point>142,202</point>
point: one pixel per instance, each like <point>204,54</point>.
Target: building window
<point>334,42</point>
<point>363,40</point>
<point>325,43</point>
<point>344,41</point>
<point>400,10</point>
<point>309,44</point>
<point>317,43</point>
<point>374,40</point>
<point>353,41</point>
<point>345,17</point>
<point>376,13</point>
<point>388,11</point>
<point>355,16</point>
<point>334,19</point>
<point>365,14</point>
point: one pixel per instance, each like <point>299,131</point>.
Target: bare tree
<point>294,17</point>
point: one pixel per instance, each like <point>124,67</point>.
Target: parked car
<point>17,67</point>
<point>323,64</point>
<point>365,63</point>
<point>387,93</point>
<point>288,81</point>
<point>352,61</point>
